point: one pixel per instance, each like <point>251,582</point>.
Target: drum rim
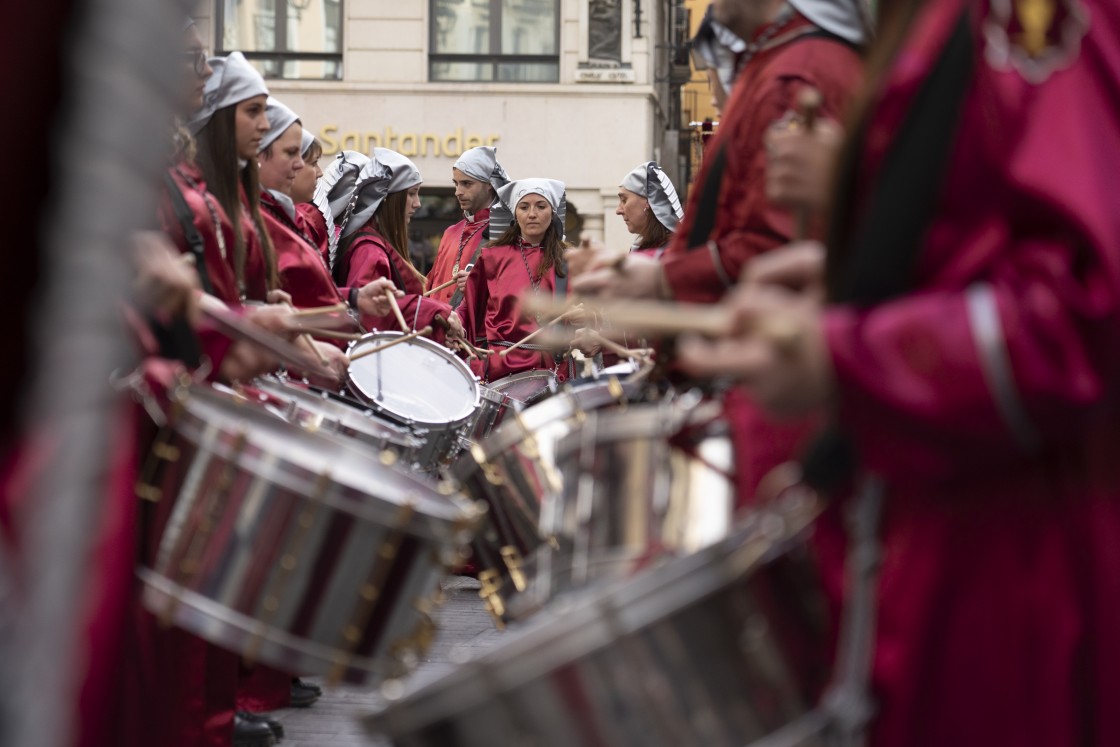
<point>438,514</point>
<point>159,585</point>
<point>347,417</point>
<point>566,403</point>
<point>643,421</point>
<point>432,425</point>
<point>533,373</point>
<point>595,618</point>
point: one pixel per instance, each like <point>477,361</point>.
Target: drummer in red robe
<point>373,241</point>
<point>969,350</point>
<point>729,218</point>
<point>303,269</point>
<point>196,705</point>
<point>476,176</point>
<point>311,219</point>
<point>229,129</point>
<point>527,257</point>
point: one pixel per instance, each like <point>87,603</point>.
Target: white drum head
<point>418,381</point>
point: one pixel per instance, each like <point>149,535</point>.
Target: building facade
<point>577,90</point>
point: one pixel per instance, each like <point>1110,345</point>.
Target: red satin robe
<point>457,247</point>
<point>999,619</point>
<point>371,258</point>
<point>303,274</point>
<point>256,274</point>
<point>204,207</point>
<point>314,225</point>
<point>747,223</point>
<point>491,309</point>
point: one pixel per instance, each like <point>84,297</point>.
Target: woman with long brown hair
<point>229,129</point>
<point>373,242</point>
<point>528,255</point>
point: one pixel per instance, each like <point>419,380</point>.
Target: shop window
<point>495,40</point>
<point>298,39</point>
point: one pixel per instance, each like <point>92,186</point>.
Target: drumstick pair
<point>657,318</point>
<point>378,348</point>
<point>563,314</point>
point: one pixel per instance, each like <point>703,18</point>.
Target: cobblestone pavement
<point>464,627</point>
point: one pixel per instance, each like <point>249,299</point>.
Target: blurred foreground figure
<point>969,349</point>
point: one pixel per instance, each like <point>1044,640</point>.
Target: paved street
<point>464,628</point>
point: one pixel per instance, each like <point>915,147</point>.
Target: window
<point>495,40</point>
<point>284,38</point>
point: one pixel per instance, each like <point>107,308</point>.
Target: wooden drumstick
<point>476,351</point>
<point>392,296</point>
<point>617,349</point>
<point>463,345</point>
<point>672,319</point>
<point>306,339</point>
<point>809,103</point>
<point>326,334</point>
<point>439,287</point>
<point>320,310</point>
<point>378,348</point>
<point>562,316</point>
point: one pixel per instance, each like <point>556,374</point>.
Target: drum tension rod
<point>369,595</point>
<point>161,451</point>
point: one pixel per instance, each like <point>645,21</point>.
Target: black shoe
<point>303,695</point>
<point>273,725</point>
<point>297,682</point>
<point>248,732</point>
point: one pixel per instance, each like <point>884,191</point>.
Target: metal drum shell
<point>319,413</point>
<point>513,472</point>
<point>638,482</point>
<point>688,652</point>
<point>527,388</point>
<point>276,535</point>
<point>491,409</point>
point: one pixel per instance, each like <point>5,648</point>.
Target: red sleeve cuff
<point>698,275</point>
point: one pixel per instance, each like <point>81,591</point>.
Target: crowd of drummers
<point>894,284</point>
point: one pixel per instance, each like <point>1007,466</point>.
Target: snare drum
<point>293,548</point>
<point>527,388</point>
<point>419,384</point>
<point>708,649</point>
<point>319,411</point>
<point>514,472</point>
<point>650,479</point>
<point>492,408</point>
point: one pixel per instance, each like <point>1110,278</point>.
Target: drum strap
<point>846,707</point>
<point>848,700</point>
<point>195,243</point>
<point>526,346</point>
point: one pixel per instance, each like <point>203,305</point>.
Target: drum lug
<point>512,558</point>
<point>370,594</point>
<point>614,386</point>
<point>408,650</point>
<point>162,451</point>
<point>491,473</point>
<point>491,585</point>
